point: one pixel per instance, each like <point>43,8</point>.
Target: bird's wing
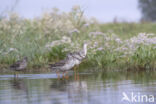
<point>57,64</point>
<point>17,64</point>
<point>78,55</point>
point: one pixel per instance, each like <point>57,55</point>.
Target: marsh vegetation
<point>48,38</point>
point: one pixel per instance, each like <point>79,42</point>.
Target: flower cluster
<point>58,42</point>
<point>116,44</point>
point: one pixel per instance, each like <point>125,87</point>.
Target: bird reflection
<point>75,90</point>
<point>59,85</point>
<point>18,84</point>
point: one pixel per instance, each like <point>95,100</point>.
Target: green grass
<point>127,30</point>
<point>32,38</point>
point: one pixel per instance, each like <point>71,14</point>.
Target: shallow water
<point>82,88</point>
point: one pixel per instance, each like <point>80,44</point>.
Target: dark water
<point>83,88</point>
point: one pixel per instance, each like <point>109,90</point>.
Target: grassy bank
<point>49,38</point>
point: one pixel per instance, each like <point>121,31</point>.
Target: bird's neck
<point>85,49</point>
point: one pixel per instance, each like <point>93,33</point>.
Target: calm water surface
<point>83,88</point>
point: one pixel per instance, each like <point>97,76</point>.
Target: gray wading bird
<point>63,65</point>
<point>19,65</point>
<point>70,61</point>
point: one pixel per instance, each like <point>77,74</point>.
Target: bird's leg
<point>75,74</point>
<point>58,75</point>
<point>78,76</point>
<point>15,75</point>
<point>63,75</point>
<point>66,75</point>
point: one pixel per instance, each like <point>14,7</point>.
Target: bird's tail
<point>52,66</point>
<point>12,67</point>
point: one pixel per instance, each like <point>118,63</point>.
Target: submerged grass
<point>48,39</point>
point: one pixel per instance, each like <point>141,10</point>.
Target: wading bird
<point>63,65</point>
<point>71,60</point>
<point>19,65</point>
<point>78,58</point>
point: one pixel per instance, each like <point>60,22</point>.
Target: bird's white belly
<point>69,65</point>
<point>22,66</point>
<point>77,62</point>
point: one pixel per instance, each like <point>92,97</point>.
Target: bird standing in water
<point>78,58</point>
<point>63,65</point>
<point>71,60</point>
<point>19,65</point>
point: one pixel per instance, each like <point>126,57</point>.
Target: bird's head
<point>25,58</point>
<point>85,44</point>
